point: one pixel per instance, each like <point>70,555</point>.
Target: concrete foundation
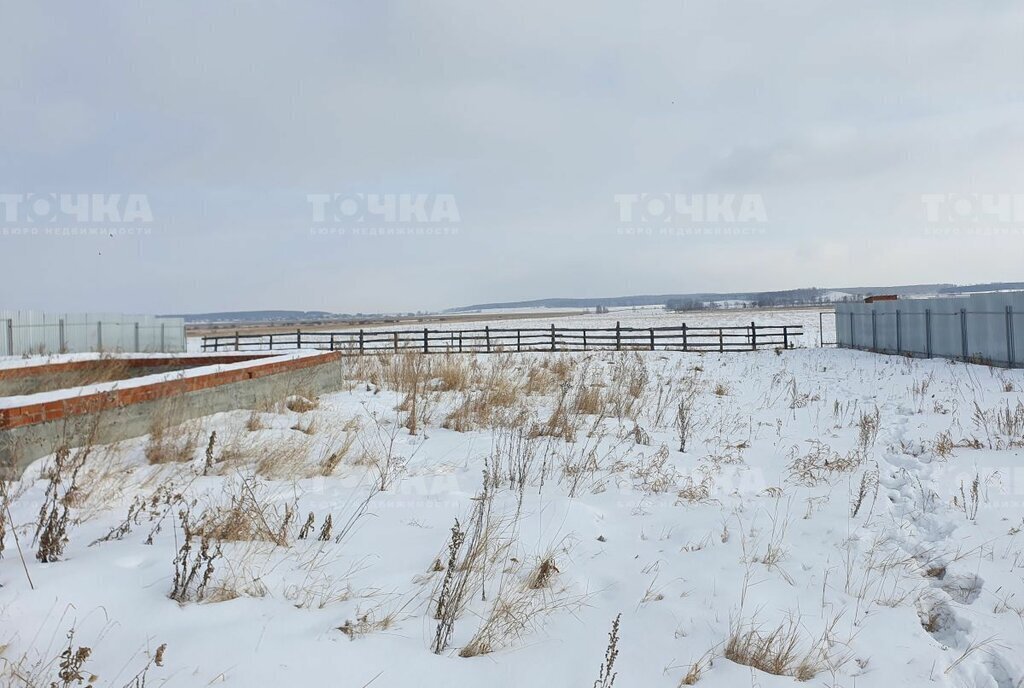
<point>122,414</point>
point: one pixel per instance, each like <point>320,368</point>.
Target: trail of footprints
<point>922,526</point>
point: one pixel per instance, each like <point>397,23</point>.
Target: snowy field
<point>835,517</point>
<point>643,317</point>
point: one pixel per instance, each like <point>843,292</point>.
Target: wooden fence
<point>492,340</point>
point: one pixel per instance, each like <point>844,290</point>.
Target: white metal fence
<point>987,328</point>
<point>28,332</point>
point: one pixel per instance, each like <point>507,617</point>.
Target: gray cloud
<point>533,116</point>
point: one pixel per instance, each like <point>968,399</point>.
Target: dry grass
<point>517,610</point>
<point>337,448</point>
<point>655,474</point>
<point>820,464</point>
<point>255,422</point>
<point>249,515</point>
<point>373,620</point>
<point>696,669</point>
<point>301,404</point>
<point>781,650</point>
<point>283,456</point>
<point>470,554</point>
<point>172,444</point>
<point>694,492</point>
<point>543,573</point>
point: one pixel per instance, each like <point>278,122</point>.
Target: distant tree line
<point>790,297</point>
<point>678,305</point>
<point>767,299</point>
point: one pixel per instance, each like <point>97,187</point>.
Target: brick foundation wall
<point>92,403</point>
<point>60,368</point>
<point>32,431</point>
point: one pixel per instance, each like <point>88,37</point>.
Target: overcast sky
<point>526,150</point>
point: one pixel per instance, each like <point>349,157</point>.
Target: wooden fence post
<point>652,339</point>
<point>618,336</point>
<point>785,336</point>
<point>721,341</point>
<point>584,339</point>
<point>396,341</point>
<point>332,341</point>
<point>753,336</point>
<point>552,336</point>
<point>271,341</point>
<point>236,340</point>
<point>426,341</point>
<point>487,338</point>
<point>519,340</point>
<point>685,344</point>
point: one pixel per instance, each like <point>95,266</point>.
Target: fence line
<point>35,332</point>
<point>983,328</point>
<point>492,340</point>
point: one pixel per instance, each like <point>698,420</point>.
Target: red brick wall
<point>75,366</point>
<point>92,403</point>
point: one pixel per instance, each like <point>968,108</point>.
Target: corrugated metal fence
<point>986,328</point>
<point>28,332</point>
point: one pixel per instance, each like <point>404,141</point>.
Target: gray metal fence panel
<point>27,332</point>
<point>983,327</point>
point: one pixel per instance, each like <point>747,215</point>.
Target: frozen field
<point>835,517</point>
<point>644,317</point>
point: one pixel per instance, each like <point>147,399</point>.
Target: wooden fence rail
<point>492,339</point>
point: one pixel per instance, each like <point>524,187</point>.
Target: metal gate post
<point>963,331</point>
<point>874,330</point>
<point>928,331</point>
<point>1010,353</point>
<point>135,335</point>
<point>899,337</point>
<point>10,337</point>
<point>62,339</point>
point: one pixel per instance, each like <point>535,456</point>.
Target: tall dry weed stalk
<point>607,674</point>
<point>193,568</point>
<point>51,534</point>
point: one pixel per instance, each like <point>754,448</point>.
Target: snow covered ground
<point>837,517</point>
<point>813,326</point>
